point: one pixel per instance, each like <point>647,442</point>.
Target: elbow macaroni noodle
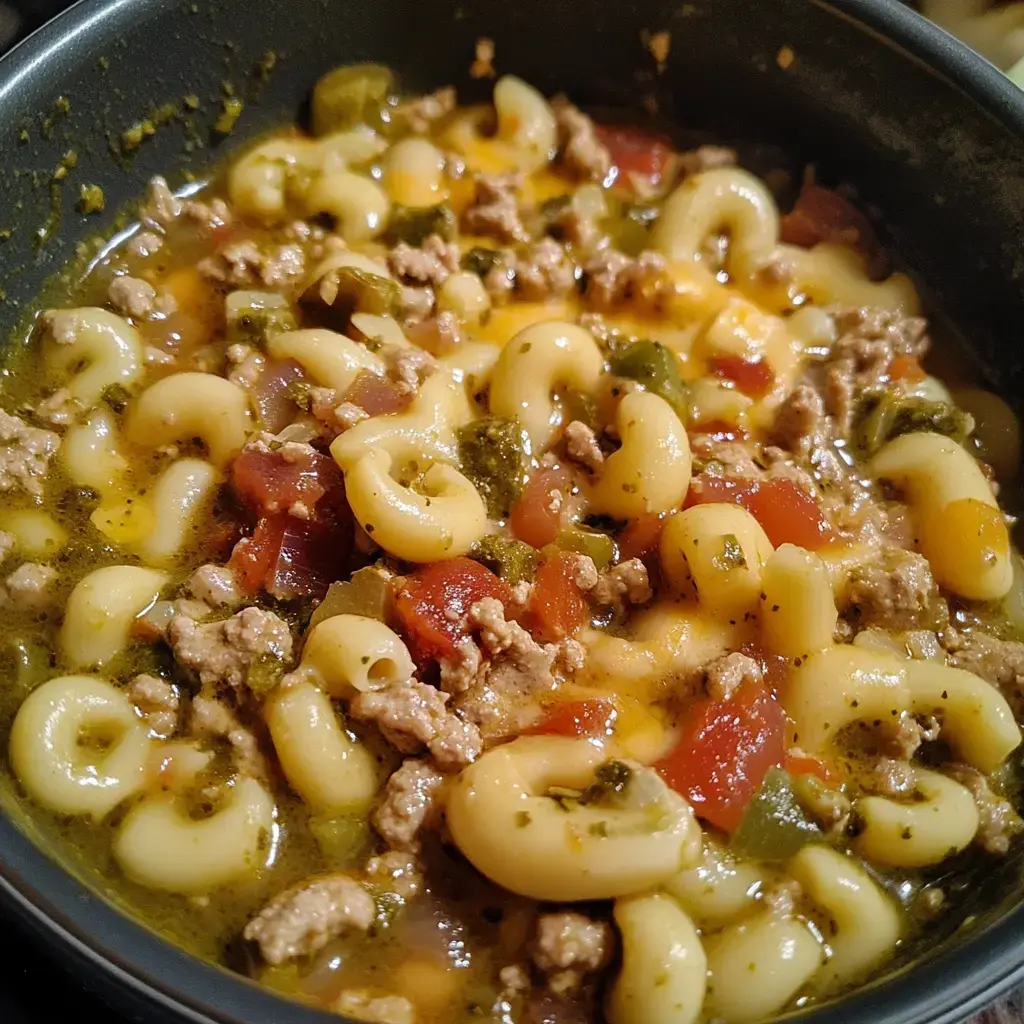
<point>651,471</point>
<point>106,346</point>
<point>959,526</point>
<point>161,847</point>
<point>533,367</point>
<point>54,765</point>
<point>192,405</point>
<point>509,829</point>
<point>332,772</point>
<point>349,653</point>
<point>100,611</point>
<point>442,518</point>
<point>664,967</point>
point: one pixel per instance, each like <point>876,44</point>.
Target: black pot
<point>930,133</point>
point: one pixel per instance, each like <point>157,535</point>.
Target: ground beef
<point>138,299</point>
<point>859,360</point>
<point>903,741</point>
<point>144,244</point>
<point>568,945</point>
<point>1000,662</point>
<point>612,278</point>
<point>581,152</point>
<point>407,366</point>
<point>212,718</point>
<point>581,446</point>
<point>706,158</point>
<point>368,1008</point>
<point>326,406</point>
<point>998,822</point>
<point>896,592</point>
<point>397,872</point>
<point>432,263</point>
<point>415,304</point>
<point>158,701</point>
<point>544,271</point>
<point>412,801</point>
<point>27,589</point>
<point>801,424</point>
<point>891,777</point>
<point>495,208</point>
<point>245,365</point>
<point>498,678</point>
<point>8,542</point>
<point>245,265</point>
<point>304,919</point>
<point>725,675</point>
<point>412,715</point>
<point>162,208</point>
<point>221,653</point>
<point>215,585</point>
<point>624,584</point>
<point>25,454</point>
<point>420,114</point>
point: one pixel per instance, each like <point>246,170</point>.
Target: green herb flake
<point>523,819</point>
<point>116,397</point>
<point>732,556</point>
<point>231,111</point>
<point>91,199</point>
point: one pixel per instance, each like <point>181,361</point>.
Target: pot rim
<point>51,901</point>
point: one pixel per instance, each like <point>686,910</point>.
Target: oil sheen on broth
<point>475,563</point>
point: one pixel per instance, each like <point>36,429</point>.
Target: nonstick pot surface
<point>940,153</point>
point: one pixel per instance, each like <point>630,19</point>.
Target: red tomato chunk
<point>821,215</point>
<point>724,752</point>
<point>432,605</point>
<point>786,512</point>
<point>557,607</point>
<point>753,377</point>
<point>536,516</point>
<point>635,151</point>
<point>590,717</point>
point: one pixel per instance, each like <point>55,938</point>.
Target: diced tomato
<point>753,377</point>
<point>557,608</point>
<point>311,556</point>
<point>800,764</point>
<point>789,515</point>
<point>821,215</point>
<point>906,368</point>
<point>724,752</point>
<point>641,536</point>
<point>253,556</point>
<point>786,512</point>
<point>270,482</point>
<point>591,717</point>
<point>635,151</point>
<point>291,557</point>
<point>433,602</point>
<point>720,430</point>
<point>536,516</point>
<point>375,394</point>
<point>221,235</point>
<point>274,403</point>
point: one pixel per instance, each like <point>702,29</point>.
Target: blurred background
<point>995,28</point>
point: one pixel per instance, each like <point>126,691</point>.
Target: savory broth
<point>469,564</point>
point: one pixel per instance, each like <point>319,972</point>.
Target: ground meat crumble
<point>304,919</point>
<point>221,653</point>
